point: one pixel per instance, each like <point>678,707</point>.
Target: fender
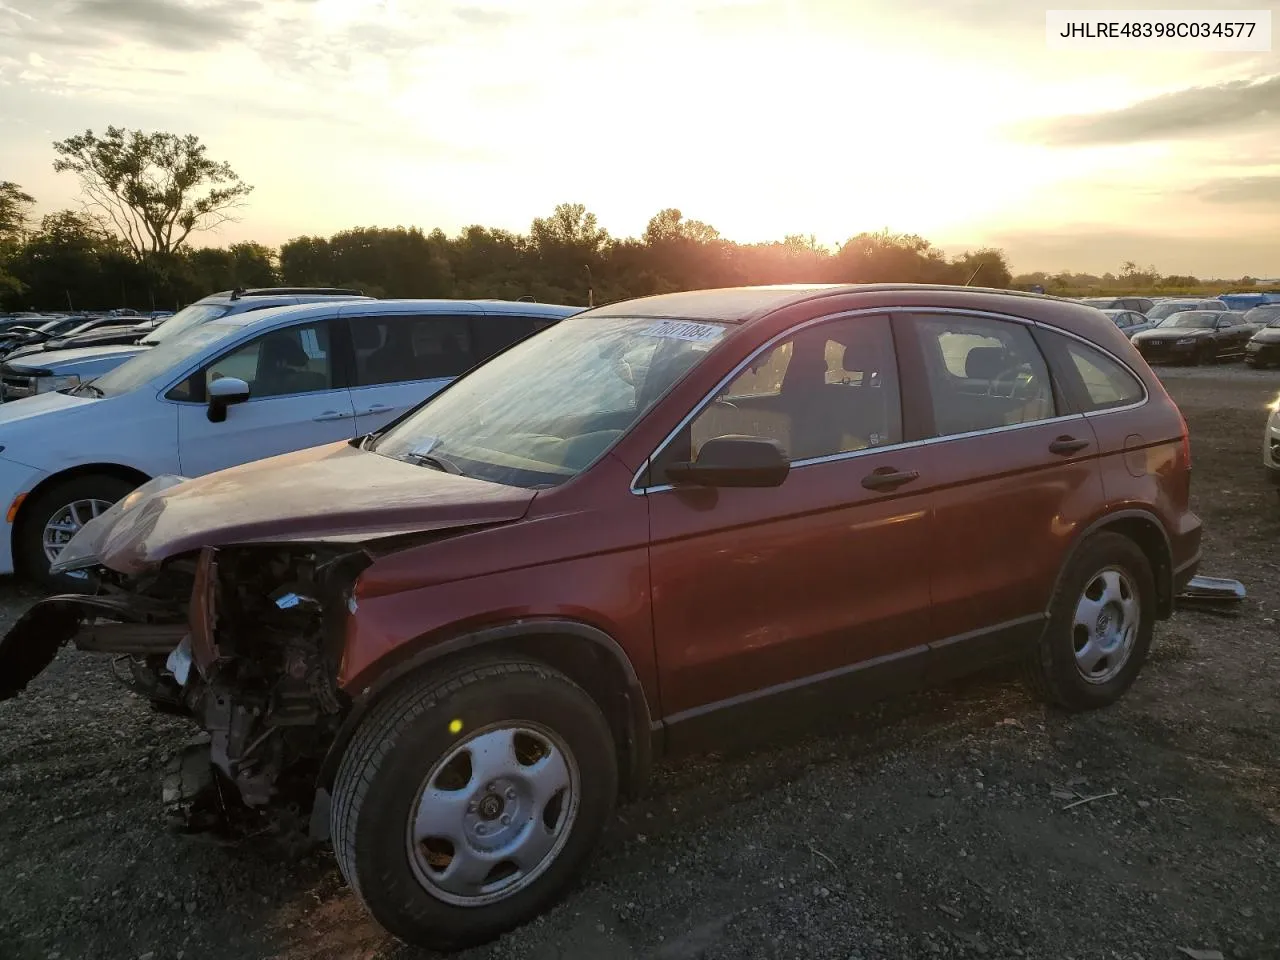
<point>1163,577</point>
<point>643,735</point>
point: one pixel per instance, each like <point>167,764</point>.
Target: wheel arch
<point>117,470</point>
<point>1143,528</point>
<point>587,655</point>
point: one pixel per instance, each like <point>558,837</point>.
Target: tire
<point>29,552</point>
<point>396,755</point>
<point>1054,667</point>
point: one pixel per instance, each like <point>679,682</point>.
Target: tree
<point>985,268</point>
<point>569,248</point>
<point>14,204</point>
<point>153,189</point>
<point>13,223</point>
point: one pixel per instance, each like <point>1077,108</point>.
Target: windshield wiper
<point>95,390</point>
<point>435,462</point>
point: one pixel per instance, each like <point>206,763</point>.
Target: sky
<point>951,119</point>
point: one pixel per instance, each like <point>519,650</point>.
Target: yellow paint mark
<point>455,726</point>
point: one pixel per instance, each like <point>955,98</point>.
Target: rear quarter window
<point>1106,383</point>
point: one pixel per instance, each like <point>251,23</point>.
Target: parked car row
<point>463,626</point>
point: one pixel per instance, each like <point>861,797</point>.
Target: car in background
<point>1195,336</point>
<point>110,334</point>
<point>1167,308</point>
<point>1263,348</point>
<point>1136,304</point>
<point>1129,321</point>
<point>474,629</point>
<point>20,338</point>
<point>230,390</point>
<point>59,369</point>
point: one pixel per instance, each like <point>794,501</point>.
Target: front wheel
<point>467,801</point>
<point>1100,626</point>
<point>54,517</point>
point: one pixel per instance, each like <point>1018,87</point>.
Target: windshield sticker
<point>684,330</point>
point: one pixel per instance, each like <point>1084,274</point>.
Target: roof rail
<point>295,291</point>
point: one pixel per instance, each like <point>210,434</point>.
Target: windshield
<point>185,319</point>
<point>543,411</point>
<point>154,361</point>
<point>1100,302</point>
<point>1192,318</point>
<point>1269,315</point>
<point>1162,310</point>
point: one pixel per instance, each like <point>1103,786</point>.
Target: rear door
<point>296,400</point>
<point>1017,476</point>
<point>401,359</point>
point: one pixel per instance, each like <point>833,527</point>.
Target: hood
<point>67,361</point>
<point>334,493</point>
<point>15,412</point>
<point>1170,333</point>
<point>1268,335</point>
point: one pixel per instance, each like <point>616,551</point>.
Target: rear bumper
<point>1182,575</point>
<point>1185,549</point>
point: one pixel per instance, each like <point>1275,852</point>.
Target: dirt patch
<point>938,826</point>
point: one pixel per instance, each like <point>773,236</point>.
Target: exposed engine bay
<point>245,641</point>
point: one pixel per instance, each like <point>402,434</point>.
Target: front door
<point>293,402</point>
<point>758,592</point>
<point>1017,475</point>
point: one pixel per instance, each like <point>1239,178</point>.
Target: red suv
<point>468,633</point>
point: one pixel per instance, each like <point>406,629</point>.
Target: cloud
<point>1183,114</point>
<point>169,24</point>
<point>478,17</point>
<point>1250,190</point>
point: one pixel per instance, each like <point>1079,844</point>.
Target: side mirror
<point>734,461</point>
<point>223,392</point>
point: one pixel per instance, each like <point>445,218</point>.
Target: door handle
<point>331,415</point>
<point>376,408</point>
<point>1065,445</point>
<point>887,478</point>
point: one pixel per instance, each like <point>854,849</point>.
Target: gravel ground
<point>935,827</point>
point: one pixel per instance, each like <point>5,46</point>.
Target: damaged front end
<point>244,640</point>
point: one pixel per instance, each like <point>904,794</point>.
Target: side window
<point>1106,383</point>
<point>763,378</point>
<point>396,349</point>
<point>829,389</point>
<point>494,333</point>
<point>283,362</point>
<point>983,374</point>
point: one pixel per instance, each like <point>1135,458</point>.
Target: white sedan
<point>237,389</point>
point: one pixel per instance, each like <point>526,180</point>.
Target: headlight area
<point>243,641</point>
<point>54,384</point>
<point>265,632</point>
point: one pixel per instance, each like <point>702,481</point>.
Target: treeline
<point>69,261</point>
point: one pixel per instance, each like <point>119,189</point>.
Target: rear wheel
<point>467,801</point>
<point>54,517</point>
<point>1100,626</point>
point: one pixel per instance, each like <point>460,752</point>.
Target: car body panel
<point>332,491</point>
